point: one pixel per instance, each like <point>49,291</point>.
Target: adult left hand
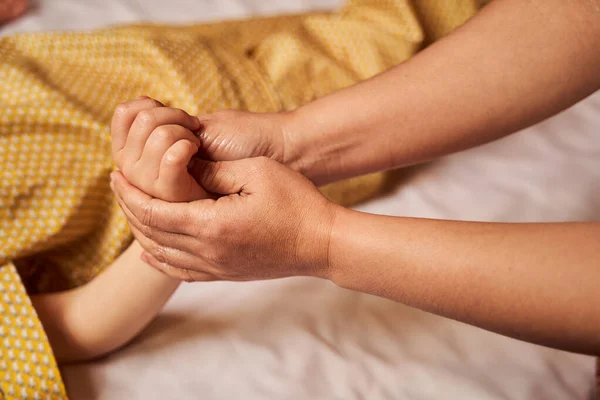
<point>266,221</point>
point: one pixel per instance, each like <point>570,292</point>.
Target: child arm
<point>106,313</point>
<point>152,145</point>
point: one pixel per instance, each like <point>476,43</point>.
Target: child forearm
<point>106,313</point>
<point>536,282</point>
<point>512,65</point>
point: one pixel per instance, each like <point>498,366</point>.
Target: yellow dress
<point>59,223</point>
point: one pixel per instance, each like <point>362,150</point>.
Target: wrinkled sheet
<point>305,338</point>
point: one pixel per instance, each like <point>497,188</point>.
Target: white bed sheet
<point>305,338</point>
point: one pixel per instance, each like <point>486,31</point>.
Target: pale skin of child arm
<point>106,313</point>
<point>153,146</point>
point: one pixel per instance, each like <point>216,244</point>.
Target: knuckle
<point>164,133</point>
<point>159,253</point>
<point>147,215</point>
<point>147,233</point>
<point>146,117</point>
<point>121,110</point>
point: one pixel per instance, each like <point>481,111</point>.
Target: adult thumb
<point>220,177</point>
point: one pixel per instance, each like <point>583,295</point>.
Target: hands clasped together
<point>241,212</point>
<point>240,216</point>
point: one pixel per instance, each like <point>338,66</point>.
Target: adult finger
<point>174,257</point>
<point>182,241</point>
<point>183,274</point>
<point>162,243</point>
<point>154,213</point>
<point>148,120</point>
<point>164,254</point>
<point>124,115</point>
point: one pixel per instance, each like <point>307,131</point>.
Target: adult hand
<point>233,135</point>
<point>10,9</point>
<point>266,222</point>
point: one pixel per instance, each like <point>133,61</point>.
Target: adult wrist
<point>313,253</point>
<point>336,269</point>
<point>353,249</point>
<point>300,142</point>
<point>321,145</point>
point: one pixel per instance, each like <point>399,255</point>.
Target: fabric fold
<point>59,223</point>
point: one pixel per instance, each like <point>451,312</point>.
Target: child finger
<point>161,139</point>
<point>173,175</point>
<point>123,118</point>
<point>147,121</point>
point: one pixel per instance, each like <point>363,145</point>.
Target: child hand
<point>152,145</point>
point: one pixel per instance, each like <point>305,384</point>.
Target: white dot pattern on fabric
<point>19,358</point>
<point>59,224</point>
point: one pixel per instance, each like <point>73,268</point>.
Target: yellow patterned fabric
<point>59,223</point>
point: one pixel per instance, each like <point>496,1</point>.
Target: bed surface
<point>304,338</point>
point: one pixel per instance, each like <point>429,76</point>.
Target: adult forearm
<point>514,64</point>
<point>537,282</point>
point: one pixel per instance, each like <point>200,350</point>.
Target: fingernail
<point>143,97</point>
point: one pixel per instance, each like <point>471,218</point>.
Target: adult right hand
<point>268,222</point>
